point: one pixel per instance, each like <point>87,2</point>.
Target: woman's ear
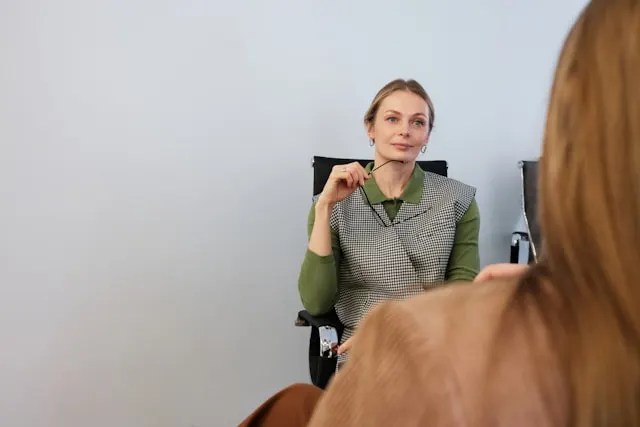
<point>368,127</point>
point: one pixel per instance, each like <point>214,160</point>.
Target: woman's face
<point>401,127</point>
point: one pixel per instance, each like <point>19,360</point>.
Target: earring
<point>423,149</point>
<point>371,142</point>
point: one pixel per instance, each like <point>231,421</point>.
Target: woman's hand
<point>346,346</point>
<point>343,180</point>
<point>501,271</point>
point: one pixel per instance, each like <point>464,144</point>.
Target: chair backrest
<point>529,177</point>
<point>322,168</point>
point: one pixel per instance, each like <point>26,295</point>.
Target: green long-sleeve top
<point>318,279</point>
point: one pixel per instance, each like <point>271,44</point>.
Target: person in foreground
<point>556,344</point>
<point>390,229</point>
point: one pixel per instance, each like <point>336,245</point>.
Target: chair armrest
<point>325,332</point>
<point>329,319</point>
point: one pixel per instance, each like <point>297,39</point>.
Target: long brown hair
<point>586,286</point>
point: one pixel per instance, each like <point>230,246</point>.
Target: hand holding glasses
<point>343,180</point>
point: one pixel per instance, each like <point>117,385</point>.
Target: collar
<point>412,192</point>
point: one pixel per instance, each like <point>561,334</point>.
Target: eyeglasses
<point>381,220</point>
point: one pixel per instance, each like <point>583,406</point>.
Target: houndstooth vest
<point>395,260</point>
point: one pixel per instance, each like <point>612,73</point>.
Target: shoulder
<point>459,300</point>
<point>432,359</point>
<point>469,332</point>
<point>437,187</point>
<point>437,329</point>
<point>447,185</point>
<point>439,324</point>
<point>453,309</point>
<point>402,363</point>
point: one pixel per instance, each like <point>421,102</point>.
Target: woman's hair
<point>393,86</point>
<point>586,286</point>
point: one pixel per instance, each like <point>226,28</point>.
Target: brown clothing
<point>291,407</point>
<point>433,360</point>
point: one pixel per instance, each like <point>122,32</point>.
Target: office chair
<point>532,237</point>
<point>326,330</point>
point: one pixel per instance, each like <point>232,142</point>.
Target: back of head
<point>586,284</point>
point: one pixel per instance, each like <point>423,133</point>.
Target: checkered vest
<point>395,259</point>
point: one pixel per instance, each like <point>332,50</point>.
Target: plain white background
<point>155,181</point>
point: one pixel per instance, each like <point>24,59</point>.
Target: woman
<point>386,230</point>
<point>557,344</point>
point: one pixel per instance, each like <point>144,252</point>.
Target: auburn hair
<point>586,286</point>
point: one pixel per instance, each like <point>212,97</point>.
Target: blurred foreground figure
<point>558,343</point>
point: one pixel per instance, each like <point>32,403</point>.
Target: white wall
<point>137,136</point>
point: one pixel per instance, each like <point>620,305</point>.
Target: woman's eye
<point>419,123</point>
<point>392,119</point>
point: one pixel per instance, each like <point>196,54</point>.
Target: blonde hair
<point>586,286</point>
<point>394,86</point>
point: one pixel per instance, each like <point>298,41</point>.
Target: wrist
<point>323,207</point>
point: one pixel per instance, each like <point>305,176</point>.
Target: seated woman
<point>385,231</point>
<point>557,344</point>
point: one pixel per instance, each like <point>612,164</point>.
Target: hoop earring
<point>423,149</point>
<point>371,142</point>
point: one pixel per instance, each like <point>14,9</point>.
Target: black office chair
<point>326,330</point>
<point>532,237</point>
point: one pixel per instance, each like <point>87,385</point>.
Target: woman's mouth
<point>402,147</point>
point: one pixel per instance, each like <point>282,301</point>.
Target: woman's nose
<point>405,130</point>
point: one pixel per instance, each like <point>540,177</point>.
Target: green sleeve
<point>464,262</point>
<point>318,280</point>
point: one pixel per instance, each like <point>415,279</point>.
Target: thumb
<point>505,270</point>
<point>345,346</point>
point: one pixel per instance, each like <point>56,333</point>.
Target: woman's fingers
<point>347,177</point>
<point>360,172</point>
<point>345,346</point>
<point>352,174</point>
<point>343,180</point>
<point>355,177</point>
<point>504,270</point>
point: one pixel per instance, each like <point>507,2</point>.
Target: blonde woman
<point>388,230</point>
